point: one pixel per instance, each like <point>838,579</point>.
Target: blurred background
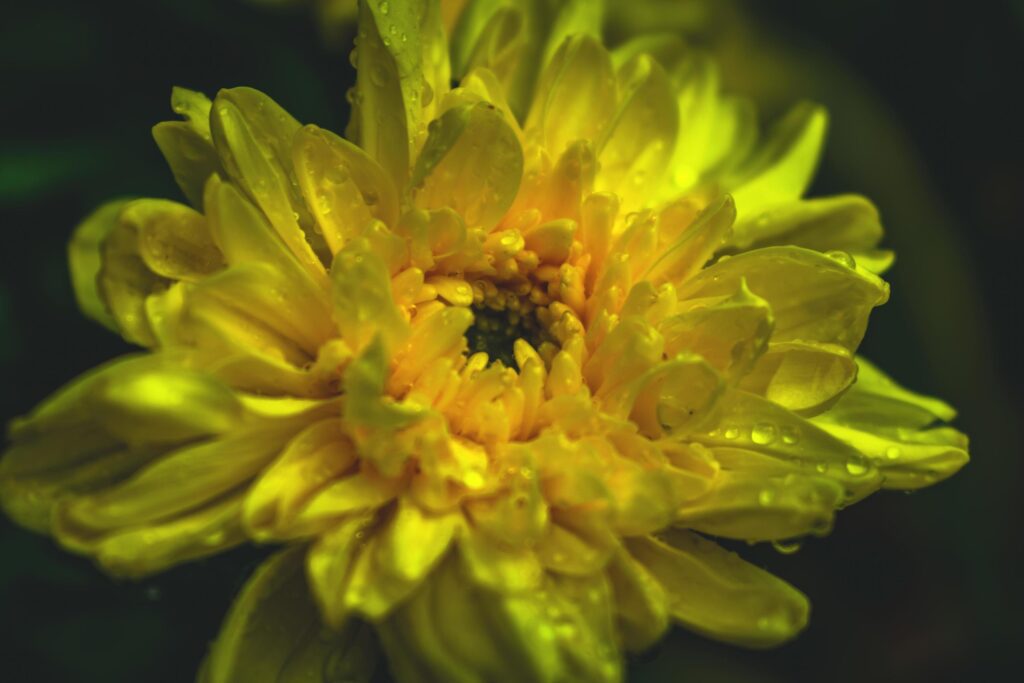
<point>926,114</point>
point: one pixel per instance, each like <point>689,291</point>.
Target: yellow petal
<point>844,222</point>
<point>914,459</point>
<point>804,377</point>
<point>243,235</point>
<point>893,428</point>
<point>783,166</point>
<point>138,551</point>
<point>356,493</point>
<point>343,186</point>
<point>564,551</point>
<point>124,283</point>
<point>636,145</point>
<point>439,335</point>
<point>229,333</point>
<point>676,396</point>
<point>695,246</point>
<point>164,406</point>
<point>293,309</point>
<point>640,602</point>
<point>273,634</point>
<point>576,95</point>
<point>174,240</point>
<point>367,405</point>
<point>517,517</point>
<point>749,422</point>
<point>414,541</point>
<point>812,297</point>
<point>876,400</point>
<point>753,507</point>
<point>363,303</point>
<point>85,254</point>
<point>329,563</point>
<point>402,76</point>
<point>179,482</point>
<point>454,630</point>
<point>730,334</point>
<point>30,490</point>
<point>498,48</point>
<point>552,241</point>
<point>495,566</point>
<point>187,145</point>
<point>471,162</point>
<point>714,592</point>
<point>318,454</point>
<point>253,136</point>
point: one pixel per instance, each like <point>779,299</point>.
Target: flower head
<point>495,366</point>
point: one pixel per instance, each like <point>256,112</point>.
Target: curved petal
<point>363,302</point>
<point>730,333</point>
<point>318,454</point>
<point>273,634</point>
<point>575,96</point>
<point>471,162</point>
<point>804,377</point>
<point>85,259</point>
<point>893,428</point>
<point>174,240</point>
<point>253,136</point>
<point>844,222</point>
<point>453,630</point>
<point>641,606</point>
<point>138,551</point>
<point>781,168</point>
<point>813,297</point>
<point>750,422</point>
<point>343,186</point>
<point>635,147</point>
<point>402,76</point>
<point>695,246</point>
<point>753,507</point>
<point>714,592</point>
<point>188,145</point>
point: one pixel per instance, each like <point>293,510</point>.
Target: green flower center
<point>495,333</point>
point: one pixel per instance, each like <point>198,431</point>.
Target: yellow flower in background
<point>494,368</point>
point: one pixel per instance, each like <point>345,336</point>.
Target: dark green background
<point>926,121</point>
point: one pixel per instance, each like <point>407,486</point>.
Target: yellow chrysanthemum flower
<point>494,369</point>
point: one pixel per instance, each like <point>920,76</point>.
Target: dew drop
<point>764,433</point>
<point>378,75</point>
<point>842,257</point>
<point>385,8</point>
<point>856,467</point>
<point>821,467</point>
<point>893,453</point>
<point>790,435</point>
<point>786,548</point>
<point>731,433</point>
<point>766,497</point>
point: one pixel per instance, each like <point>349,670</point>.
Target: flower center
<point>495,332</point>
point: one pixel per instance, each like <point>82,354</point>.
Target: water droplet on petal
<point>732,433</point>
<point>893,453</point>
<point>764,433</point>
<point>842,257</point>
<point>790,435</point>
<point>786,548</point>
<point>766,497</point>
<point>856,467</point>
